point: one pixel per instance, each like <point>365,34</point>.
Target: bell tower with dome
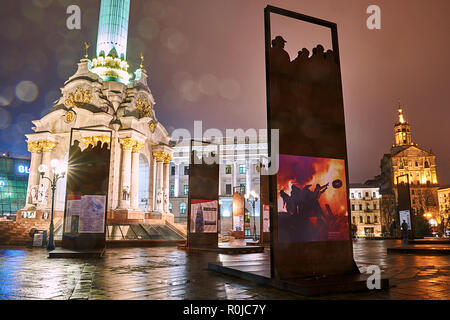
<point>409,163</point>
<point>103,95</point>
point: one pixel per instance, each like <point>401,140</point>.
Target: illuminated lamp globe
<point>42,168</point>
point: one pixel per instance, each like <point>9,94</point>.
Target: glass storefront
<point>13,184</point>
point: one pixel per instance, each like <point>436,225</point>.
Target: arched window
<point>183,208</point>
<point>426,164</point>
<point>170,207</point>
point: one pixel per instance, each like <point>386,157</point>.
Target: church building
<point>408,163</point>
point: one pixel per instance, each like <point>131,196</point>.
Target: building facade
<point>13,184</point>
<point>239,159</point>
<point>407,163</point>
<point>444,209</point>
<point>365,210</point>
<point>103,95</point>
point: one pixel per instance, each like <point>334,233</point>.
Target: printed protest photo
<point>312,199</point>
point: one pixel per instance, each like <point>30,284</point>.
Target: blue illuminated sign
<point>23,169</point>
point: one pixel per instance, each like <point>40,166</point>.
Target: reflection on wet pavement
<point>168,273</point>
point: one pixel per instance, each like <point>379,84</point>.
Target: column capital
<point>138,147</point>
<point>47,146</point>
<point>127,143</point>
<point>95,139</point>
<point>160,156</point>
<point>167,158</point>
<point>131,144</point>
<point>34,147</point>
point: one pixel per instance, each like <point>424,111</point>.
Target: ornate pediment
<point>413,151</point>
<point>78,97</point>
<point>143,105</point>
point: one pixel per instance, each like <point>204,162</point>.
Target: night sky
<point>205,60</point>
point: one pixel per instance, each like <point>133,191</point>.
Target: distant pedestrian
<point>404,231</point>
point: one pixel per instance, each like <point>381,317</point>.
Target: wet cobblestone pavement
<point>169,273</point>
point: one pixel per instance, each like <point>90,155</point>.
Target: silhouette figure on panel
<point>309,222</point>
<point>306,100</point>
<point>88,169</point>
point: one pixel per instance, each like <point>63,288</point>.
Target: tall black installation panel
<point>203,204</point>
<point>310,221</point>
<point>87,190</point>
<point>404,206</point>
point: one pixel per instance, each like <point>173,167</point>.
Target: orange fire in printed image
<point>312,199</point>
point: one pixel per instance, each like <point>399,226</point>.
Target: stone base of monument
<point>143,243</point>
<point>226,249</point>
<point>259,272</point>
<point>126,215</point>
<point>430,241</point>
<point>61,253</point>
<point>421,249</point>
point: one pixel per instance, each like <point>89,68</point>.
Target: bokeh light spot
<point>5,119</point>
<point>6,96</point>
<point>27,91</point>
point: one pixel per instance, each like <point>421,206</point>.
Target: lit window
<point>228,188</point>
<point>228,169</point>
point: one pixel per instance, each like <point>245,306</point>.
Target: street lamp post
<point>253,198</point>
<point>58,173</point>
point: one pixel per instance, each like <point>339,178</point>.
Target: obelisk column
<point>125,173</point>
<point>166,197</point>
<point>33,178</point>
<point>136,150</point>
<point>44,184</point>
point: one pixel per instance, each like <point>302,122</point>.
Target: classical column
<point>166,194</point>
<point>248,177</point>
<point>33,178</point>
<point>125,173</point>
<point>44,184</point>
<point>177,180</point>
<point>160,156</point>
<point>136,150</point>
<point>221,168</point>
<point>234,174</point>
<point>152,199</point>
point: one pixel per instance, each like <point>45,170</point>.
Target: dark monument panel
<point>87,193</point>
<point>310,221</point>
<point>203,186</point>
